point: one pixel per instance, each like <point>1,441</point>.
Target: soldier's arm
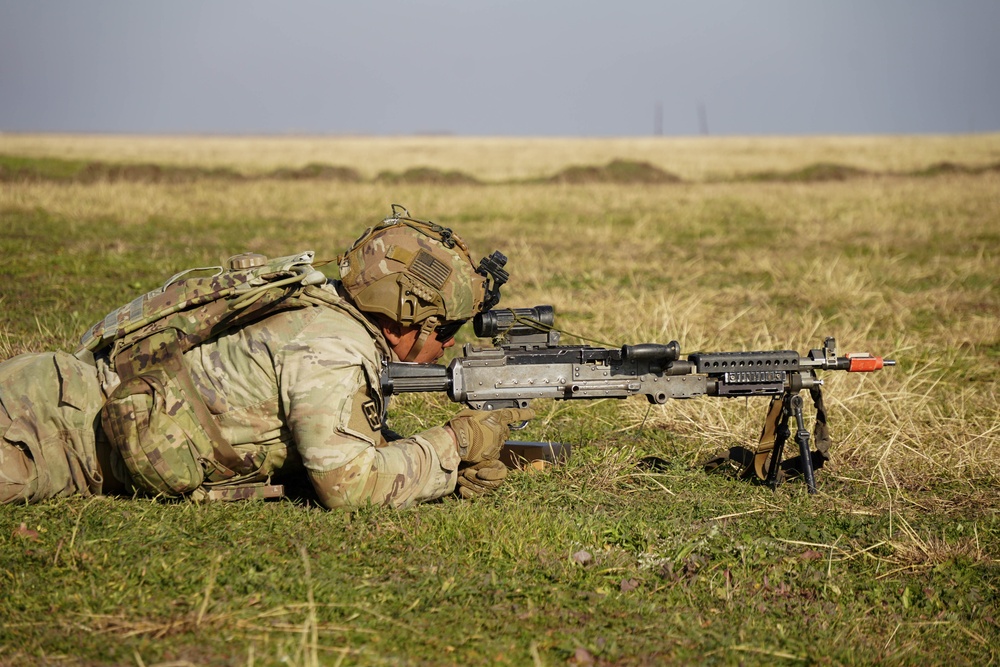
<point>334,416</point>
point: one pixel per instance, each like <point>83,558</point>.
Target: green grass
<point>712,571</point>
<point>896,561</point>
<point>13,167</point>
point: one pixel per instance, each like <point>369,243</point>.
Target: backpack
<point>156,418</point>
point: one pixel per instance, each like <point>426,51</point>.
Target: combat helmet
<point>416,272</point>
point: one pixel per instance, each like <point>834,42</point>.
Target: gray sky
<point>500,67</point>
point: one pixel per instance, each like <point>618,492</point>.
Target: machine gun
<point>527,362</point>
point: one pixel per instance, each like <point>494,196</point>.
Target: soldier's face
<point>402,343</point>
<point>434,349</point>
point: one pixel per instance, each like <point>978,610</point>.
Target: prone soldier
<point>260,374</point>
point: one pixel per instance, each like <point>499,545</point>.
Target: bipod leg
<point>802,438</point>
<point>781,433</point>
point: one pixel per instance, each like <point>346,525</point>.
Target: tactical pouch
<point>158,436</point>
<point>158,422</point>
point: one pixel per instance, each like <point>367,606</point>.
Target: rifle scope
<point>514,321</point>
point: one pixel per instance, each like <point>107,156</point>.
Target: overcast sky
<point>501,67</point>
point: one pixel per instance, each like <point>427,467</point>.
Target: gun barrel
<point>403,378</point>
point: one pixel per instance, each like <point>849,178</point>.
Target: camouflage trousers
<point>49,404</point>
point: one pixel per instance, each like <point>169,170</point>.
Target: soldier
<point>288,391</point>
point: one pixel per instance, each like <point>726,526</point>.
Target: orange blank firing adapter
<point>862,362</point>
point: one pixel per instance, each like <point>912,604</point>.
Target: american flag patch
<point>430,269</point>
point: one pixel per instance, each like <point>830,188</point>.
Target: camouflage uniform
<point>296,390</point>
<point>301,388</point>
<point>48,410</point>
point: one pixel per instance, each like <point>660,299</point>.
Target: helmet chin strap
<point>426,331</point>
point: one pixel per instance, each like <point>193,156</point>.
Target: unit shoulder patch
<point>372,415</point>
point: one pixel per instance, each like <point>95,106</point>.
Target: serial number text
<point>755,377</point>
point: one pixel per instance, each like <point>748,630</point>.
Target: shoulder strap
<point>160,354</point>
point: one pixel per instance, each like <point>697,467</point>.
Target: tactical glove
<point>481,433</point>
<point>480,478</point>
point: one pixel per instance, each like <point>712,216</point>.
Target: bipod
<point>791,404</point>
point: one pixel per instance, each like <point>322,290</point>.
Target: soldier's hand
<point>480,478</point>
<point>481,433</point>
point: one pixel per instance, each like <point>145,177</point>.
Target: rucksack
<point>156,418</point>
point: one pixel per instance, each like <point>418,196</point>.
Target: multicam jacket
<point>301,388</point>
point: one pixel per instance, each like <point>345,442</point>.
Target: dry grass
<point>500,159</point>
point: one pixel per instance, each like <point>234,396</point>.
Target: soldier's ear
<point>391,335</point>
<point>391,329</point>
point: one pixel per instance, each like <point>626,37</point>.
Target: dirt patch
<point>945,168</point>
<point>15,169</point>
<point>153,173</point>
<point>821,171</point>
<point>150,173</point>
<point>941,168</point>
<point>616,171</point>
<point>317,171</point>
<point>426,176</point>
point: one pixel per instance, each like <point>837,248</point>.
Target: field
<point>628,554</point>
